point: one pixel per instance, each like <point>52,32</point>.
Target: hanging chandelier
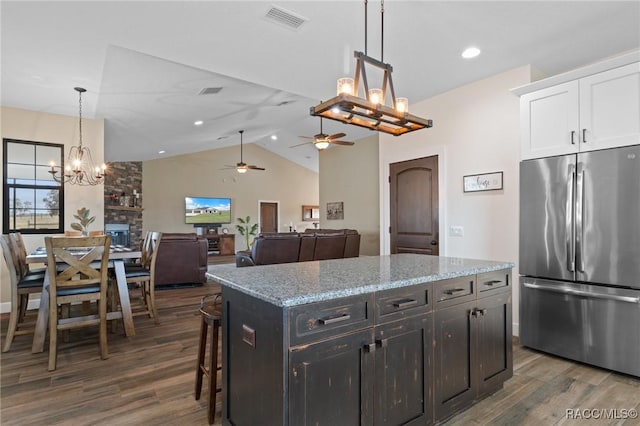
<point>80,168</point>
<point>371,111</point>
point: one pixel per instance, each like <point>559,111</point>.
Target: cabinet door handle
<point>584,135</point>
<point>382,342</point>
<point>573,139</point>
<point>405,303</point>
<point>492,282</point>
<point>333,320</point>
<point>370,347</point>
<point>482,311</point>
<point>453,291</point>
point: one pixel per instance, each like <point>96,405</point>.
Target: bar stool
<point>211,313</point>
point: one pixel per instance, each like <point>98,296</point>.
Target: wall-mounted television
<point>207,210</point>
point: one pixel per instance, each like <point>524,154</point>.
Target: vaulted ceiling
<point>145,63</point>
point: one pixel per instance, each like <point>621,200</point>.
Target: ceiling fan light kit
<point>242,167</point>
<point>80,169</point>
<point>370,112</point>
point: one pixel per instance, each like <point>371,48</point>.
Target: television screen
<point>207,210</point>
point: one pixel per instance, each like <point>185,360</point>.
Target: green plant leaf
<point>76,226</point>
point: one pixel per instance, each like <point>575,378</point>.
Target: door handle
<point>573,140</point>
<point>370,347</point>
<point>584,135</point>
<point>574,292</point>
<point>569,214</point>
<point>382,342</point>
<point>492,282</point>
<point>579,219</point>
<point>434,243</point>
<point>453,291</point>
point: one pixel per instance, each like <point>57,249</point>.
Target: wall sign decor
<point>482,182</point>
<point>335,210</point>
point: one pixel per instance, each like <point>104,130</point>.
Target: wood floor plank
<point>149,379</point>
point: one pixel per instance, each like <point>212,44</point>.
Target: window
<point>33,201</point>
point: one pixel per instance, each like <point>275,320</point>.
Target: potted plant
<point>84,220</point>
<point>247,230</point>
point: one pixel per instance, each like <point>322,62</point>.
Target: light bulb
<point>241,169</point>
<point>375,96</point>
<point>321,145</point>
<point>402,105</point>
<point>345,86</point>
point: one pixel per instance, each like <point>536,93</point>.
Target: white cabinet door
<point>549,121</point>
<point>610,108</point>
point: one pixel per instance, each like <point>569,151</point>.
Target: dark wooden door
<point>455,359</point>
<point>268,217</point>
<point>414,206</point>
<point>330,382</point>
<point>494,342</point>
<point>404,372</point>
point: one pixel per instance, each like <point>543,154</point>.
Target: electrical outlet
<point>456,231</point>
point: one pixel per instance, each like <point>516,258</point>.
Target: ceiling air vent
<point>285,17</point>
<point>210,90</point>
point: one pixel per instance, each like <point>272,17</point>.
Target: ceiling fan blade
<point>336,136</point>
<point>306,137</point>
<point>255,168</point>
<point>346,143</point>
<point>300,144</point>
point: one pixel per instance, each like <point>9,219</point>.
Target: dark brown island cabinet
<point>411,355</point>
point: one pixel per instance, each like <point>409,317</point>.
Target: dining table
<point>117,257</point>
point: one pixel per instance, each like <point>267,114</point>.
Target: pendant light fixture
<point>370,111</point>
<point>80,168</point>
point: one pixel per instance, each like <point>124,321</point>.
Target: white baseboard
<point>5,307</point>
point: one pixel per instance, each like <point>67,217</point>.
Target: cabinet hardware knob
<point>584,135</point>
<point>573,140</point>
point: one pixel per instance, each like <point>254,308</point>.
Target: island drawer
<point>490,282</point>
<point>321,320</point>
<point>400,302</point>
<point>455,290</point>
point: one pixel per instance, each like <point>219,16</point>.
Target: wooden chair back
<point>10,260</point>
<point>78,272</point>
<point>68,270</point>
<point>73,233</point>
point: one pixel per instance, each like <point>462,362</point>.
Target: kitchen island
<point>399,339</point>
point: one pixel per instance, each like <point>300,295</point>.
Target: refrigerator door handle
<point>579,218</point>
<point>569,220</point>
<point>575,292</point>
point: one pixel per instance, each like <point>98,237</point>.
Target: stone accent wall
<point>123,180</point>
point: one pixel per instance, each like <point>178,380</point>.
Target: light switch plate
<point>456,231</point>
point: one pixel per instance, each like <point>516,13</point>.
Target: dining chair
<point>96,233</point>
<point>83,278</point>
<point>20,249</point>
<point>21,288</point>
<point>142,276</point>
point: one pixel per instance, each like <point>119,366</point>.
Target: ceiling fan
<point>242,167</point>
<point>322,140</point>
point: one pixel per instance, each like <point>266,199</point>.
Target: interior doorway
<point>269,211</point>
<point>413,203</point>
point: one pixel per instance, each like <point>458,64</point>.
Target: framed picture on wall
<point>482,182</point>
<point>335,210</point>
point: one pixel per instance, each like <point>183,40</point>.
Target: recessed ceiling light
<point>162,152</point>
<point>274,137</point>
<point>198,123</point>
<point>470,52</point>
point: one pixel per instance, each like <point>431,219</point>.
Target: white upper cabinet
<point>594,112</point>
<point>610,108</point>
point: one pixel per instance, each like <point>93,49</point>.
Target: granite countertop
<point>292,284</point>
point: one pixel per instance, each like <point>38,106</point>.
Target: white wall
<point>42,127</point>
<point>476,130</point>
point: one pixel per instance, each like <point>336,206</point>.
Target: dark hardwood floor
<point>149,379</point>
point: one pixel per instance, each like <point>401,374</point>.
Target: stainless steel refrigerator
<point>580,257</point>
